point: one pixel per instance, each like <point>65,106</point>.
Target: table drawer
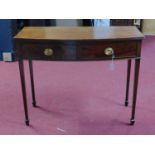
<point>38,51</point>
<point>104,50</point>
<point>79,51</point>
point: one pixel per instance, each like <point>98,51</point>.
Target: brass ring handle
<point>109,51</point>
<point>48,52</point>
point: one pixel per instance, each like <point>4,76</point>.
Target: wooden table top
<point>80,33</point>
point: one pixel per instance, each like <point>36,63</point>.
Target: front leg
<point>136,75</point>
<point>32,83</point>
<point>128,82</point>
<point>22,77</point>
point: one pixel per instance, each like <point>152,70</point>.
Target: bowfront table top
<point>80,33</point>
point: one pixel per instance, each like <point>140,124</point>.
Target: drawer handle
<point>109,51</point>
<point>48,52</point>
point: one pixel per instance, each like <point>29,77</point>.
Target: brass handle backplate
<point>109,51</point>
<point>48,52</point>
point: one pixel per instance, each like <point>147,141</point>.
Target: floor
<point>79,97</point>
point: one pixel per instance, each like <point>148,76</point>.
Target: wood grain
<point>80,33</point>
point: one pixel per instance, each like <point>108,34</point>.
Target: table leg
<point>32,83</point>
<point>128,82</point>
<point>136,75</point>
<point>22,77</point>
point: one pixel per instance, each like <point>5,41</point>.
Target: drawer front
<point>39,51</point>
<point>79,50</point>
<point>120,50</point>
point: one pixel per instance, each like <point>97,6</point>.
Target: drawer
<point>104,50</point>
<point>50,51</point>
<point>79,50</point>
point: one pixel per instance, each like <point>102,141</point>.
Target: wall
<point>68,22</point>
<point>5,36</point>
<point>148,26</point>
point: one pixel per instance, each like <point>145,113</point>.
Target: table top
<point>80,33</point>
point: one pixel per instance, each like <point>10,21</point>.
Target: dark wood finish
<point>136,75</point>
<point>126,22</point>
<point>18,24</point>
<point>122,22</point>
<point>77,43</point>
<point>22,76</point>
<point>87,22</point>
<point>128,82</point>
<point>116,22</point>
<point>32,83</point>
<point>36,50</point>
<point>79,51</point>
<point>95,51</point>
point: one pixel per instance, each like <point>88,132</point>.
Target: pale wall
<point>68,22</point>
<point>148,26</point>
